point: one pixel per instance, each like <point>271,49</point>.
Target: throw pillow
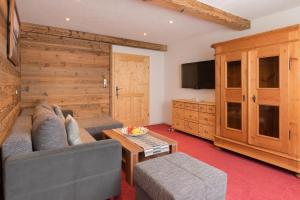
<point>58,112</point>
<point>48,132</point>
<point>73,131</point>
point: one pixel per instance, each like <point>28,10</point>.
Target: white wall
<point>199,48</point>
<point>157,71</point>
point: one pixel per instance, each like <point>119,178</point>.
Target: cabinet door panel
<point>191,115</point>
<point>191,106</point>
<point>203,108</point>
<point>211,109</point>
<point>234,96</point>
<point>178,104</point>
<point>178,124</point>
<point>178,113</point>
<point>207,132</point>
<point>268,105</point>
<point>207,119</point>
<point>191,127</point>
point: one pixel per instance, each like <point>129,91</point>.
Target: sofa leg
<point>171,129</point>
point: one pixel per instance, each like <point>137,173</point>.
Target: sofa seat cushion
<point>48,131</point>
<point>86,137</point>
<point>95,126</point>
<point>19,140</point>
<point>180,177</point>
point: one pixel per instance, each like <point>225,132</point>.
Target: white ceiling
<point>131,18</point>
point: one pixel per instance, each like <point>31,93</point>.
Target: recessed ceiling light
<point>145,34</point>
<point>68,19</point>
<point>171,22</point>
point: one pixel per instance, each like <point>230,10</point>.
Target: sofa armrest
<point>76,172</point>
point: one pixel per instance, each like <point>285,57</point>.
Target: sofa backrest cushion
<point>58,112</point>
<point>19,140</point>
<point>73,132</point>
<point>27,111</point>
<point>48,131</point>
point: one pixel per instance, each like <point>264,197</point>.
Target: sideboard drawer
<point>211,109</point>
<point>191,127</point>
<point>207,132</point>
<point>191,115</point>
<point>207,119</point>
<point>191,106</point>
<point>178,113</point>
<point>203,108</point>
<point>178,104</point>
<point>178,124</point>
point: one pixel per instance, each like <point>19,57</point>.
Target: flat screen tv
<point>198,75</point>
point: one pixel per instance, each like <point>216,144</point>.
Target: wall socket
<point>105,83</point>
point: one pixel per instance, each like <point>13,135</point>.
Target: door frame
<point>113,84</point>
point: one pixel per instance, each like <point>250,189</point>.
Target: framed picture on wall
<point>13,33</point>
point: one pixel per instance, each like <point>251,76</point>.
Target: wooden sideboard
<point>193,117</point>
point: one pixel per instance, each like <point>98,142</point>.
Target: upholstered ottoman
<point>179,177</point>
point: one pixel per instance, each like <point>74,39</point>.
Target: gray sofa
<point>91,170</point>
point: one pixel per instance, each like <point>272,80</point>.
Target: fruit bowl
<point>137,131</point>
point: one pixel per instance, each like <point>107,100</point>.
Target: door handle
<point>117,91</point>
<point>254,98</point>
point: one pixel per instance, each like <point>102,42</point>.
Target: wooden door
<point>268,97</point>
<point>130,89</point>
<point>234,96</point>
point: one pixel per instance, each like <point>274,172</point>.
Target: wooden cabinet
<point>258,96</point>
<point>196,118</point>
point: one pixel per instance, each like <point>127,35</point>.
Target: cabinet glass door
<point>234,96</point>
<point>268,116</point>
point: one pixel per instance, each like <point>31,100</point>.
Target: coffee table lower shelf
<point>132,153</point>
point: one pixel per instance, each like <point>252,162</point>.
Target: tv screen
<point>198,75</point>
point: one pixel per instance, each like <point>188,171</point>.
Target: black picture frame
<point>13,33</point>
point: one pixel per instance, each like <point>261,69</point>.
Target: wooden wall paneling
<point>9,80</point>
<point>66,71</point>
<point>53,31</point>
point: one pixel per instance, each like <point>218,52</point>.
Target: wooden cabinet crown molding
<point>273,37</point>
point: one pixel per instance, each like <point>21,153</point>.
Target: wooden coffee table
<point>133,153</point>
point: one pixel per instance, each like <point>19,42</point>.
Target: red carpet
<point>247,178</point>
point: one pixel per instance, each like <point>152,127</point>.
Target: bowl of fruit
<point>134,131</point>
